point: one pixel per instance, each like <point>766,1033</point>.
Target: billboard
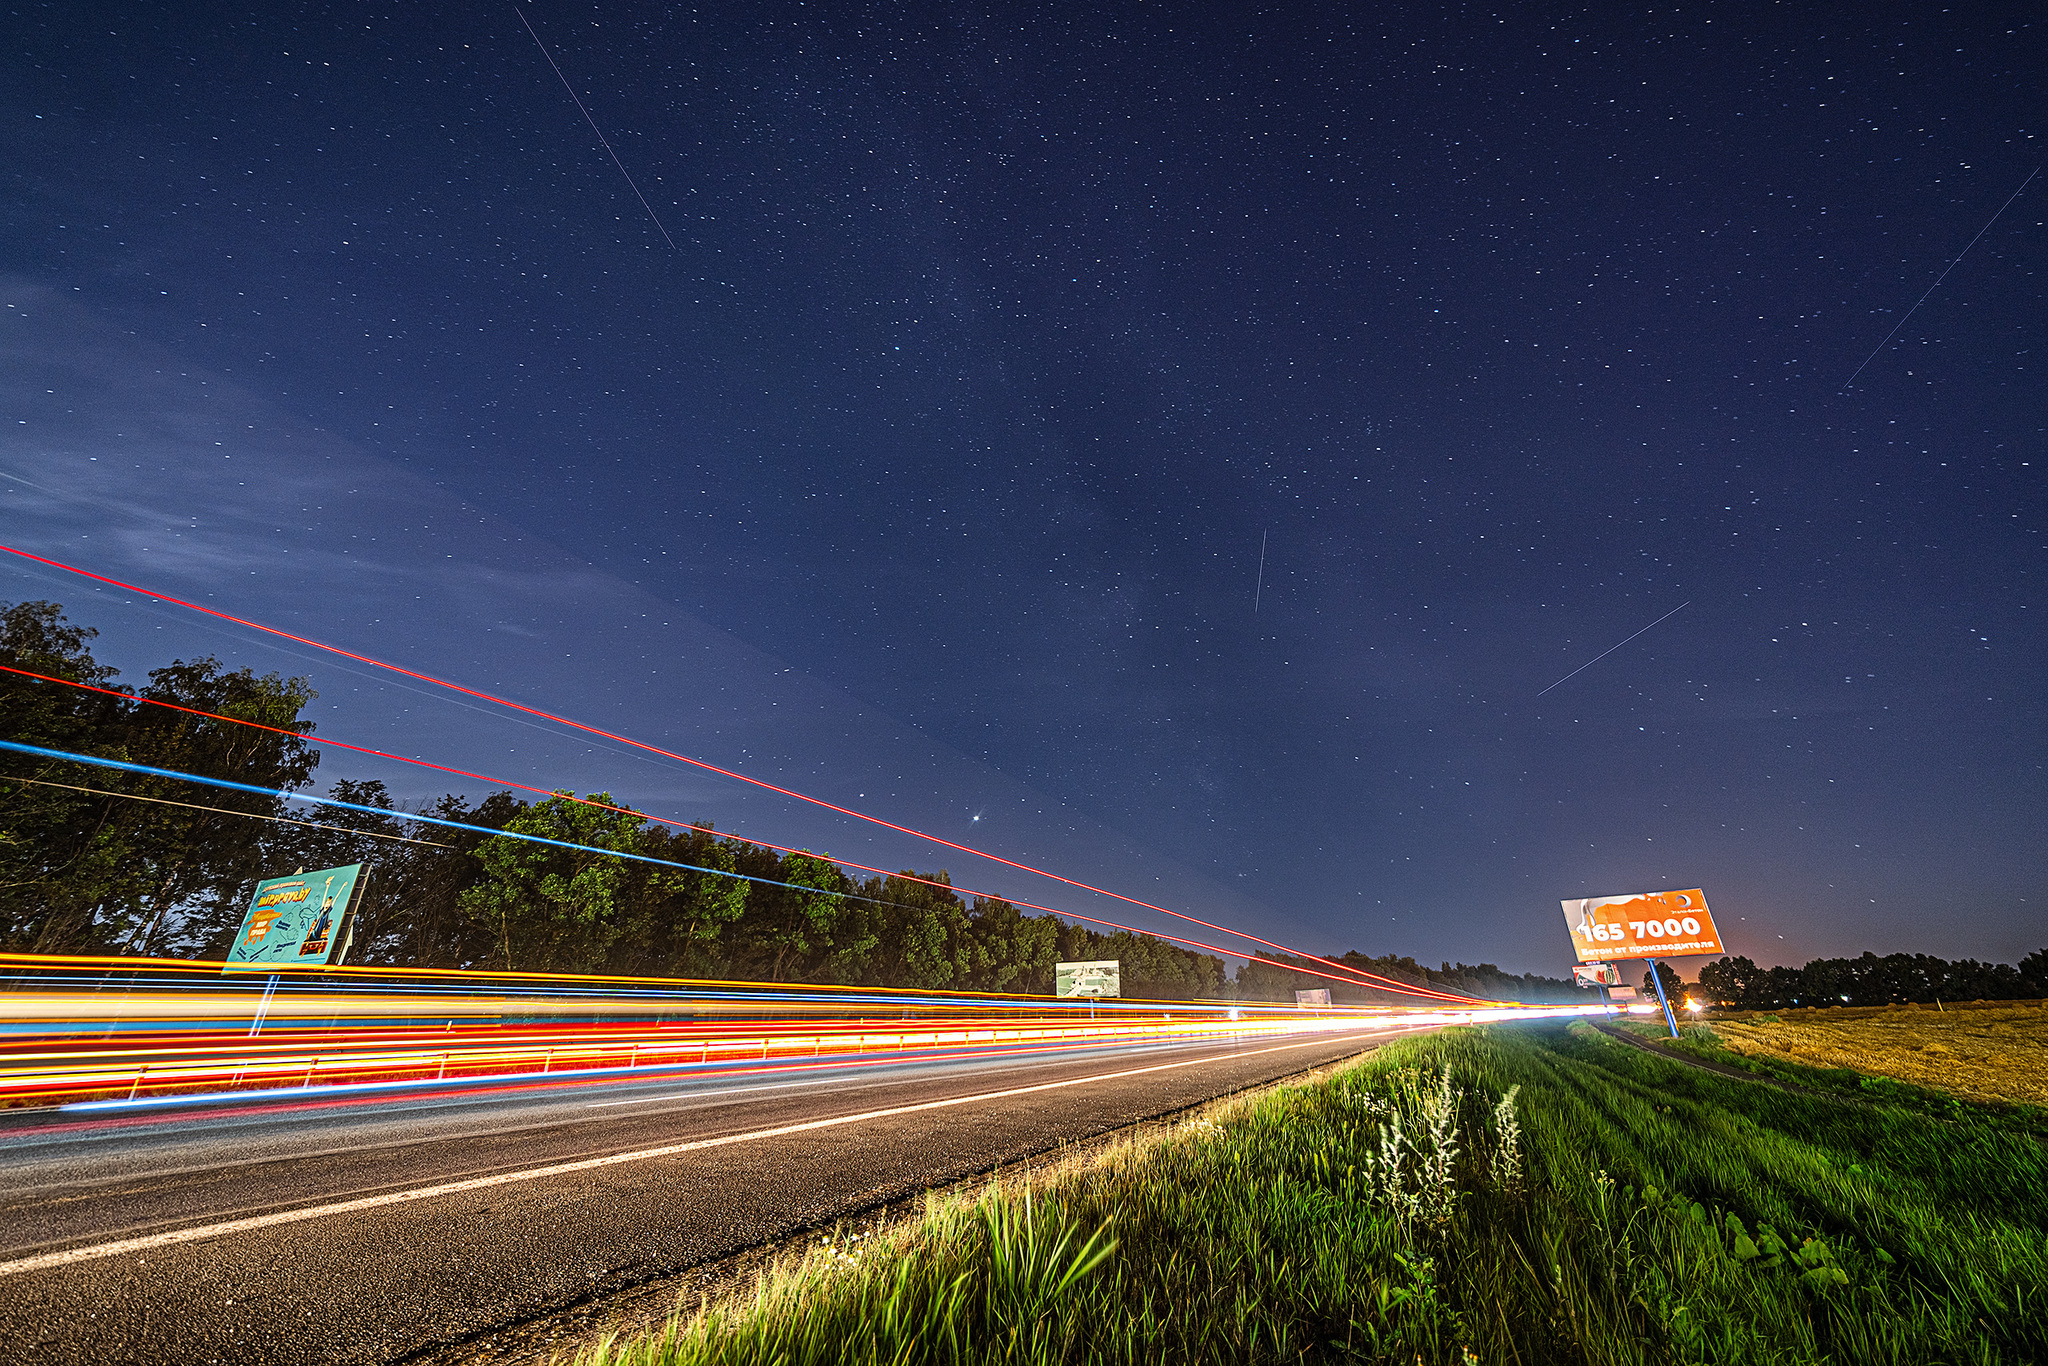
<point>294,921</point>
<point>1641,925</point>
<point>1310,1000</point>
<point>1622,993</point>
<point>1088,979</point>
<point>1595,975</point>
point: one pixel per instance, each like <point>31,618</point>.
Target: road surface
<point>346,1231</point>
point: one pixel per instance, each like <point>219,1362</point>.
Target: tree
<point>1673,984</point>
<point>59,863</point>
<point>689,915</point>
<point>97,858</point>
<point>800,920</point>
<point>201,863</point>
<point>413,913</point>
<point>1730,981</point>
<point>2033,971</point>
<point>919,933</point>
<point>332,836</point>
<point>1007,950</point>
<point>554,907</point>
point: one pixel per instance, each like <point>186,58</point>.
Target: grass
<point>1525,1194</point>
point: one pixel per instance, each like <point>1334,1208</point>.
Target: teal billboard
<point>294,921</point>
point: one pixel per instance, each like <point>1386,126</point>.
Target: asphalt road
<point>381,1232</point>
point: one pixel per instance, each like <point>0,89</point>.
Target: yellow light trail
<point>113,1032</point>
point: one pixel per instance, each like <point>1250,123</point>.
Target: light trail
<point>287,795</point>
<point>1356,978</point>
<point>1353,974</point>
<point>110,1036</point>
<point>223,811</point>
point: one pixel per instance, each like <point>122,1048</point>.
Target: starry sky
<point>1196,448</point>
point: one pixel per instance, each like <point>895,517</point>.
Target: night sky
<point>922,454</point>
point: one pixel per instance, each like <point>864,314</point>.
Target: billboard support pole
<point>263,1006</point>
<point>355,903</point>
<point>1657,981</point>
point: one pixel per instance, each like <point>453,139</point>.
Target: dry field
<point>1978,1052</point>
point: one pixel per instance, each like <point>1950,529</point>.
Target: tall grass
<point>1508,1195</point>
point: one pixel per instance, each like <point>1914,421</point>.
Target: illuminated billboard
<point>1595,975</point>
<point>294,921</point>
<point>1310,1000</point>
<point>1103,978</point>
<point>1641,925</point>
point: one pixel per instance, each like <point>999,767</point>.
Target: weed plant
<point>1514,1194</point>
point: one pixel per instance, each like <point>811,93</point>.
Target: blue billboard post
<point>1643,925</point>
<point>1657,981</point>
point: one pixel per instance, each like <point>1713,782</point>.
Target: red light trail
<point>1351,974</point>
<point>489,831</point>
<point>124,1035</point>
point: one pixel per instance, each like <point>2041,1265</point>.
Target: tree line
<point>100,860</point>
<point>1275,976</point>
<point>1873,980</point>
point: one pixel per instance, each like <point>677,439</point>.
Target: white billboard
<point>1103,978</point>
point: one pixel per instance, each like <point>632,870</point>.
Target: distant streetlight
<point>1694,1006</point>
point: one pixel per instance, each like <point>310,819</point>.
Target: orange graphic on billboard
<point>1641,925</point>
<point>260,923</point>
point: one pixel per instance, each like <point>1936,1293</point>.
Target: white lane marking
<point>72,1256</point>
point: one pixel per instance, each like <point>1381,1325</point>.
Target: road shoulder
<point>560,1334</point>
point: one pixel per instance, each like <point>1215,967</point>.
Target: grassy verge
<point>1518,1194</point>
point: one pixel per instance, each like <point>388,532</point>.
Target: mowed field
<point>1982,1051</point>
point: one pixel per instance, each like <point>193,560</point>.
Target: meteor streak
<point>602,141</point>
<point>1943,276</point>
<point>1612,648</point>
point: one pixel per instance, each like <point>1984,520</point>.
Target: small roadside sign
<point>1100,978</point>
